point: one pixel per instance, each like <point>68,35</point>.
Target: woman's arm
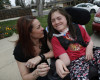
<point>31,63</point>
<point>34,61</point>
<point>89,50</point>
<point>41,70</point>
<point>24,71</point>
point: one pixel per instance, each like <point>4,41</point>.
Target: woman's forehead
<point>35,22</point>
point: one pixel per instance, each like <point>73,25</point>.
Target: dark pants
<point>90,69</point>
<point>79,69</point>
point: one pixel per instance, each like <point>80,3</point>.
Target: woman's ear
<point>79,16</point>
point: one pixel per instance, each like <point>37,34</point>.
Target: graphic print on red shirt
<point>75,50</point>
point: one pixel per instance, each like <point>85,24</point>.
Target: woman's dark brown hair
<point>24,28</point>
<point>69,22</point>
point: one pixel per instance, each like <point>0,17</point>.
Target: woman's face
<point>58,21</point>
<point>37,30</point>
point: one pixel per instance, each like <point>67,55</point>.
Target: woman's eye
<point>38,27</point>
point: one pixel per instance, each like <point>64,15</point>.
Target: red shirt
<point>75,50</point>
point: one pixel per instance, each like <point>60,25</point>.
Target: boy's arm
<point>65,58</point>
<point>61,69</point>
<point>89,51</point>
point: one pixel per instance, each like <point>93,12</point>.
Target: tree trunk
<point>22,3</point>
<point>17,2</point>
<point>40,7</point>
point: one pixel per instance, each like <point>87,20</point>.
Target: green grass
<point>7,28</point>
<point>89,25</point>
<point>8,23</point>
<point>43,20</point>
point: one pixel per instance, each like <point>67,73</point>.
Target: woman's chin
<point>42,36</point>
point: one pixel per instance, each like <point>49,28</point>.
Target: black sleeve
<point>18,54</point>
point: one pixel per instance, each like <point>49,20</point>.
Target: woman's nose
<point>42,28</point>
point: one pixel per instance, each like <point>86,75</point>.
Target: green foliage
<point>89,25</point>
<point>1,4</point>
<point>7,28</point>
<point>43,21</point>
<point>7,31</point>
<point>8,23</point>
<point>7,2</point>
<point>17,2</point>
<point>4,2</point>
<point>32,2</point>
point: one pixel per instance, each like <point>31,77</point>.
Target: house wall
<point>60,5</point>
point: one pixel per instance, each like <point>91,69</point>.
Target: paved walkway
<point>8,67</point>
<point>96,39</point>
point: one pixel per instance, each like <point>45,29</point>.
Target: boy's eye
<point>52,20</point>
<point>59,18</point>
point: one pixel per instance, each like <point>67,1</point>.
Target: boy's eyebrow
<point>56,17</point>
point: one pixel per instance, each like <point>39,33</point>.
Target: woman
<point>77,56</point>
<point>31,50</point>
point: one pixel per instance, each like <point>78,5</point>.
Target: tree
<point>40,7</point>
<point>43,2</point>
<point>20,3</point>
<point>1,4</point>
<point>17,2</point>
<point>32,2</point>
<point>6,2</point>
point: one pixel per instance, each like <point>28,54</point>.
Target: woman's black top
<point>19,55</point>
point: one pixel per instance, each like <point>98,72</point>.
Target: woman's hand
<point>42,69</point>
<point>61,69</point>
<point>89,51</point>
<point>31,63</point>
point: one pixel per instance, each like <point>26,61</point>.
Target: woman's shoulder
<point>17,47</point>
<point>18,53</point>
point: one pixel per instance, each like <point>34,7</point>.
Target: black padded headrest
<point>79,16</point>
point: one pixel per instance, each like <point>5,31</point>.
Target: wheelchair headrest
<point>79,16</point>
